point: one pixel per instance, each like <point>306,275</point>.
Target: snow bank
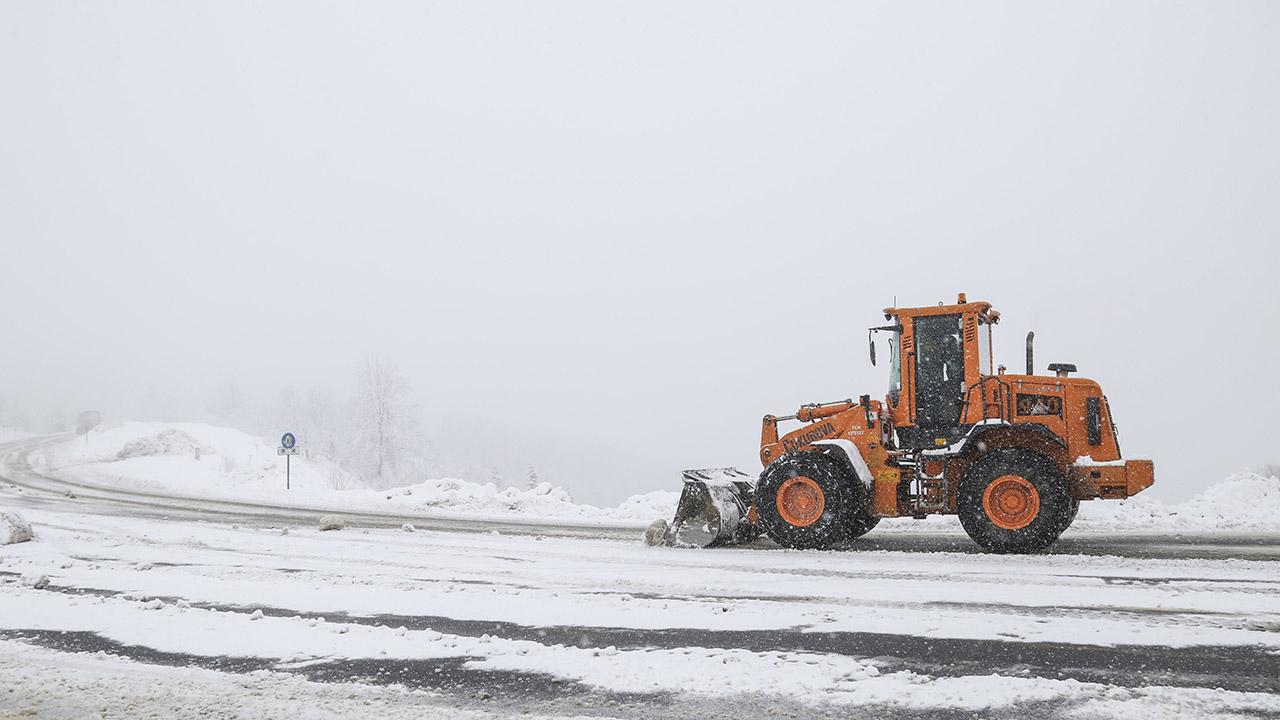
<point>544,500</point>
<point>463,496</point>
<point>215,462</point>
<point>649,506</point>
<point>192,458</point>
<point>331,522</point>
<point>1244,501</point>
<point>169,441</point>
<point>13,529</point>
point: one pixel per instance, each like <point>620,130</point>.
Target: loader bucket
<point>714,509</point>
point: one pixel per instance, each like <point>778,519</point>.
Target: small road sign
<point>288,448</point>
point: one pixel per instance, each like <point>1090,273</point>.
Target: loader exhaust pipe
<point>1031,366</point>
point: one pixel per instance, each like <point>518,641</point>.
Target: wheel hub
<point>801,501</point>
<point>1011,501</point>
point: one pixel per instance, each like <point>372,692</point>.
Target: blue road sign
<point>287,441</point>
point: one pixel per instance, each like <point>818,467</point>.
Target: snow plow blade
<point>715,509</point>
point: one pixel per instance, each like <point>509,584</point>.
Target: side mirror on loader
<point>871,342</point>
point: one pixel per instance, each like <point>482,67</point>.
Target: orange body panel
<point>1080,435</point>
<point>1111,481</point>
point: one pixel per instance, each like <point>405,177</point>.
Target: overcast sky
<point>637,227</point>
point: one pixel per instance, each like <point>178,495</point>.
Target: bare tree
<point>382,416</point>
<point>1270,470</point>
<point>533,478</point>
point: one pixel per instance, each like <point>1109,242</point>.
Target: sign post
<point>288,448</point>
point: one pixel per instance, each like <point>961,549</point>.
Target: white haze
<point>604,238</point>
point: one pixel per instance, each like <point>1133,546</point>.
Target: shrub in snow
<point>408,527</point>
<point>331,522</point>
<point>13,529</point>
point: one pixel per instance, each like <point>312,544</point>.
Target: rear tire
<point>1071,515</point>
<point>805,501</point>
<point>1014,501</point>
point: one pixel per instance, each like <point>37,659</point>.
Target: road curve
<point>42,488</point>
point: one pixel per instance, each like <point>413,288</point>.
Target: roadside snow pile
<point>331,522</point>
<point>170,441</point>
<point>206,461</point>
<point>543,500</point>
<point>463,496</point>
<point>1244,501</point>
<point>13,529</point>
<point>648,506</point>
<point>193,458</point>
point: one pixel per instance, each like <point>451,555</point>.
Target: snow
<point>1244,501</point>
<point>331,522</point>
<point>220,591</point>
<point>13,528</point>
<point>1086,461</point>
<point>570,582</point>
<point>41,683</point>
<point>648,506</point>
<point>214,462</point>
<point>189,457</point>
<point>44,683</point>
<point>170,441</point>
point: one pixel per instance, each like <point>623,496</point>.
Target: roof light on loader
<point>1012,455</point>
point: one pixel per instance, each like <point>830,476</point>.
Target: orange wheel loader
<point>1012,455</point>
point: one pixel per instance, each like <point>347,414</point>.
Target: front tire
<point>805,501</point>
<point>1014,501</point>
<point>861,522</point>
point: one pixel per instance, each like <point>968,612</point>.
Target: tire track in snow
<point>1246,669</point>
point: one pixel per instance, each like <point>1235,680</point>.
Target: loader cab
<point>936,355</point>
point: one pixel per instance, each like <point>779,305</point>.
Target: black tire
<point>1070,517</point>
<point>839,497</point>
<point>1050,518</point>
<point>861,522</point>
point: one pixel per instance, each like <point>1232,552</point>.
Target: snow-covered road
<point>258,605</point>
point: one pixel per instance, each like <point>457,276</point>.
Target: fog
<point>605,238</point>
